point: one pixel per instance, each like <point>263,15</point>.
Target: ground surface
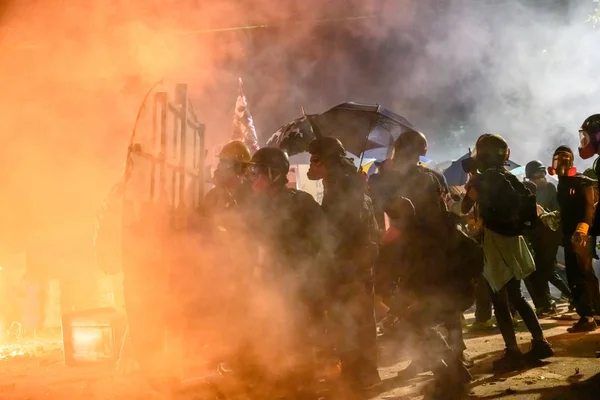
<point>574,373</point>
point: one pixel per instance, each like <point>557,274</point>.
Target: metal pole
<point>181,100</point>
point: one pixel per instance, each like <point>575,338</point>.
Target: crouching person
<point>420,301</point>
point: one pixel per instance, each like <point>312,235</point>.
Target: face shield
<point>562,165</point>
<point>587,148</point>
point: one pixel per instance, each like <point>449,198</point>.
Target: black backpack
<point>507,207</point>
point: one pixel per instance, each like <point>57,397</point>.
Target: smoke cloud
<point>74,76</point>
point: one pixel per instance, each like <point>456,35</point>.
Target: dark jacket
<point>546,196</point>
<point>576,198</point>
<point>417,183</point>
<point>220,199</point>
<point>352,227</point>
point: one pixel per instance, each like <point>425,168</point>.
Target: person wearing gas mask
<point>289,228</point>
<point>406,176</point>
<point>544,242</point>
<point>231,188</point>
<point>353,236</point>
<point>426,190</point>
<point>577,198</point>
<point>507,209</point>
<point>535,171</point>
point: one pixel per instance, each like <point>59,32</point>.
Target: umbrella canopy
<point>359,127</point>
<point>456,176</point>
<point>353,123</point>
<point>293,137</point>
<point>381,154</point>
<point>304,159</point>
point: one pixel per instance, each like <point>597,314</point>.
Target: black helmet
<point>589,137</point>
<point>534,167</point>
<point>327,148</point>
<point>411,144</point>
<point>592,124</point>
<point>275,161</point>
<point>491,151</point>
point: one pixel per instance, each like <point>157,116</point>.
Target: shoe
<point>540,349</point>
<point>511,360</point>
<point>546,311</point>
<point>450,382</point>
<point>481,326</point>
<point>415,367</point>
<point>565,299</point>
<point>360,380</point>
<point>585,324</point>
<point>466,360</point>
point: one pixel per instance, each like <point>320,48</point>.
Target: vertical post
<point>201,163</point>
<point>182,101</point>
<point>161,98</point>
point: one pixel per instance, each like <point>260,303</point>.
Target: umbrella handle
<point>362,153</point>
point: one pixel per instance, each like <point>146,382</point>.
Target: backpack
<point>506,206</point>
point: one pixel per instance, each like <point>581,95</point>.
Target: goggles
<point>254,171</point>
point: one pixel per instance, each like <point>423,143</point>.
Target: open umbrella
<point>294,137</point>
<point>359,127</point>
<point>456,176</point>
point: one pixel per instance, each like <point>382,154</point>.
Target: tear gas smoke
<point>74,73</point>
<point>73,76</point>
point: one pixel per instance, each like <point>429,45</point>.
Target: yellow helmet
<point>236,151</point>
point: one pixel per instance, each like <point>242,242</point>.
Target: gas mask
<point>562,164</point>
<point>470,165</point>
<point>587,145</point>
<point>316,171</point>
<point>229,172</point>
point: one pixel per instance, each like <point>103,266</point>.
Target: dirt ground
<point>574,373</point>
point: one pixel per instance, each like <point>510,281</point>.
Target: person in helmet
<point>589,137</point>
<point>544,245</point>
<point>231,187</point>
<point>535,171</point>
<point>354,235</point>
<point>289,226</point>
<point>407,178</point>
<point>405,166</point>
<point>544,241</point>
<point>505,206</point>
<point>577,198</point>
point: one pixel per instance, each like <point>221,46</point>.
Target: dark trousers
<point>537,286</point>
<point>453,324</point>
<point>582,280</point>
<point>544,248</point>
<point>483,300</point>
<point>355,331</point>
<point>511,294</point>
<point>559,283</point>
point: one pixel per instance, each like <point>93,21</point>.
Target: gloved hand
<point>551,220</point>
<point>580,237</point>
